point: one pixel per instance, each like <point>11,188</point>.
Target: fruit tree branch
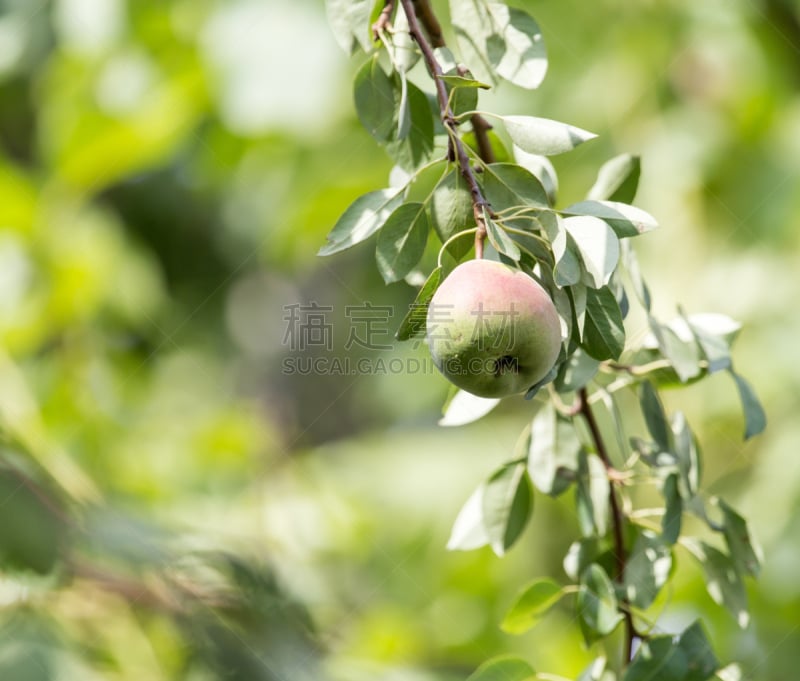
<point>617,519</point>
<point>457,147</point>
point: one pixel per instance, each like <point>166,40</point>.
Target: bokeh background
<point>175,504</point>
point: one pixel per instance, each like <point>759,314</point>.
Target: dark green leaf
<point>507,185</point>
<point>598,247</point>
<point>586,551</point>
<point>401,241</point>
<point>647,569</point>
<point>505,668</point>
<point>544,136</point>
<point>603,332</point>
<point>592,496</point>
<point>501,241</point>
<point>754,417</point>
<point>597,603</point>
<point>568,270</point>
<point>687,457</point>
<point>654,416</point>
<point>451,211</point>
<point>362,219</point>
<point>507,505</point>
<point>658,659</point>
<point>700,659</point>
<point>415,149</point>
<point>743,551</point>
<point>625,220</point>
<point>553,451</point>
<point>617,180</point>
<point>375,100</point>
<point>531,604</point>
<point>497,40</point>
<point>413,323</point>
<point>673,513</point>
<point>723,581</point>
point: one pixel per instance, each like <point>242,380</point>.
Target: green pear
<point>492,330</point>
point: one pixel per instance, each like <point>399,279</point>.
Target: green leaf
<point>700,659</point>
<point>597,671</point>
<point>553,451</point>
<point>632,265</point>
<point>716,350</point>
<point>598,247</point>
<point>544,136</point>
<point>597,603</point>
<point>375,100</point>
<point>401,241</point>
<point>501,241</point>
<point>658,659</point>
<point>413,323</point>
<point>362,219</point>
<point>673,512</point>
<point>592,496</point>
<point>507,505</point>
<point>349,21</point>
<point>617,180</point>
<point>576,372</point>
<point>603,332</point>
<point>531,604</point>
<point>469,530</point>
<point>723,581</point>
<point>541,167</point>
<point>743,551</point>
<point>497,40</point>
<point>578,294</point>
<point>568,269</point>
<point>587,551</point>
<point>451,211</point>
<point>505,668</point>
<point>687,457</point>
<point>654,416</point>
<point>464,408</point>
<point>507,185</point>
<point>625,220</point>
<point>754,417</point>
<point>647,569</point>
<point>415,149</point>
<point>406,52</point>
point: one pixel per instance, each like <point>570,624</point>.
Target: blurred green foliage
<point>173,505</point>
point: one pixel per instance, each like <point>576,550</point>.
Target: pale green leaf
<point>413,323</point>
<point>598,247</point>
<point>625,220</point>
<point>507,505</point>
<point>365,216</point>
<point>401,241</point>
<point>531,604</point>
<point>544,136</point>
<point>464,408</point>
<point>505,668</point>
<point>617,179</point>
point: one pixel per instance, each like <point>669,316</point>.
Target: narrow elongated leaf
<point>505,668</point>
<point>647,569</point>
<point>401,241</point>
<point>362,219</point>
<point>553,451</point>
<point>413,323</point>
<point>754,417</point>
<point>687,457</point>
<point>507,505</point>
<point>617,180</point>
<point>744,552</point>
<point>501,241</point>
<point>531,604</point>
<point>375,100</point>
<point>349,21</point>
<point>544,136</point>
<point>454,80</point>
<point>507,185</point>
<point>597,603</point>
<point>592,496</point>
<point>497,40</point>
<point>603,332</point>
<point>673,514</point>
<point>598,246</point>
<point>469,530</point>
<point>415,149</point>
<point>654,416</point>
<point>723,581</point>
<point>625,220</point>
<point>465,408</point>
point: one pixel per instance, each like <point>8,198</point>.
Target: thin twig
<point>479,203</point>
<point>384,20</point>
<point>617,519</point>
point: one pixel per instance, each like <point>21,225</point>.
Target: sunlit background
<point>176,504</point>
